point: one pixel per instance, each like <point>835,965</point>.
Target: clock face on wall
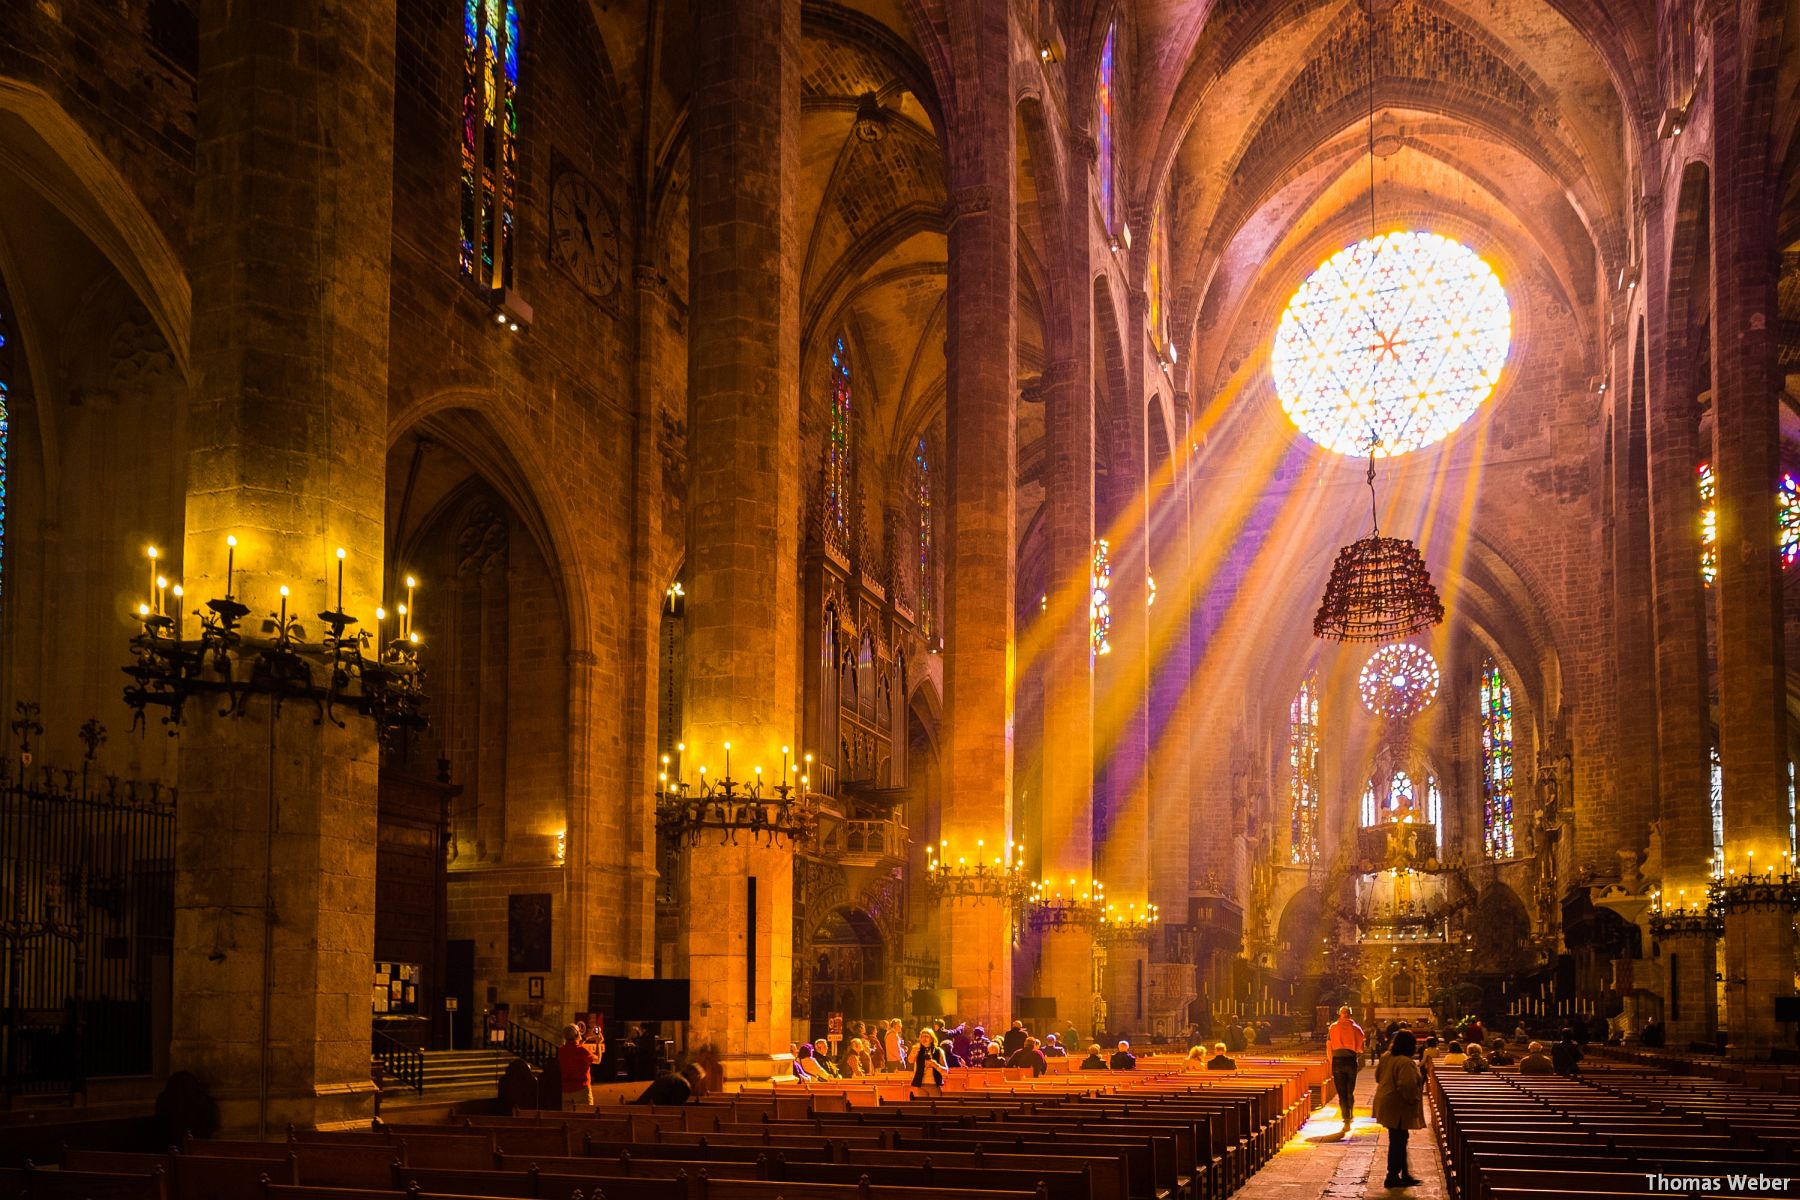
<point>584,234</point>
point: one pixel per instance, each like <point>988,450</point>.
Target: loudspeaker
<point>650,1000</point>
<point>929,1003</point>
<point>1787,1008</point>
<point>1035,1008</point>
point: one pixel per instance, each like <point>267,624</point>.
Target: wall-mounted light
<point>1046,53</point>
<point>1673,120</point>
<point>510,310</point>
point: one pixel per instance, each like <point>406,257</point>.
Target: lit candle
<point>162,596</point>
<point>728,760</point>
<point>284,596</point>
<point>380,616</point>
<point>150,553</point>
<point>178,594</point>
<point>340,603</point>
<point>230,561</point>
<point>784,765</point>
<point>411,583</point>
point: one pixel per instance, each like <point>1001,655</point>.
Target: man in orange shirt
<point>1343,1050</point>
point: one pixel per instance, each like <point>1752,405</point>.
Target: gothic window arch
<point>1303,770</point>
<point>1105,94</point>
<point>1496,762</point>
<point>927,535</point>
<point>838,448</point>
<point>1716,796</point>
<point>490,135</point>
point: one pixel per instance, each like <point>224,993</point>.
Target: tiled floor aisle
<point>1319,1163</point>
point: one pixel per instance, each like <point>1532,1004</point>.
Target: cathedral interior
<point>727,519</point>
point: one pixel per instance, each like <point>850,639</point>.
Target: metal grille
<point>87,884</point>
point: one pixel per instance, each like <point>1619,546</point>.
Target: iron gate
<point>87,909</point>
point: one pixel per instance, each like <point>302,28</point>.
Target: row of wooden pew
<point>1506,1136</point>
<point>1162,1133</point>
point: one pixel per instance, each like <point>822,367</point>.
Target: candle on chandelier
<point>284,596</point>
<point>178,595</point>
<point>728,760</point>
<point>380,616</point>
<point>230,561</point>
<point>784,766</point>
<point>162,596</point>
<point>340,598</point>
<point>150,553</point>
<point>411,583</point>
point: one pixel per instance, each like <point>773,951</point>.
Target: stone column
<point>1683,774</point>
<point>1747,463</point>
<point>1122,689</point>
<point>981,549</point>
<point>1065,967</point>
<point>275,855</point>
<point>743,512</point>
<point>1170,709</point>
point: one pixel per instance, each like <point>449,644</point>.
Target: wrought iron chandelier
<point>1380,589</point>
<point>343,670</point>
<point>998,877</point>
<point>1048,908</point>
<point>728,807</point>
<point>1125,926</point>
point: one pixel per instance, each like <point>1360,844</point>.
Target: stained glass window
<point>1099,603</point>
<point>1401,336</point>
<point>1787,498</point>
<point>1434,803</point>
<point>490,133</point>
<point>1399,680</point>
<point>1103,133</point>
<point>927,579</point>
<point>1153,280</point>
<point>1368,803</point>
<point>1708,485</point>
<point>1303,770</point>
<point>1716,794</point>
<point>1496,762</point>
<point>837,450</point>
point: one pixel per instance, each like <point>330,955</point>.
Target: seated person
<point>1053,1048</point>
<point>805,1065</point>
<point>1028,1057</point>
<point>995,1057</point>
<point>672,1088</point>
<point>1497,1055</point>
<point>1536,1062</point>
<point>1474,1061</point>
<point>1093,1061</point>
<point>1196,1058</point>
<point>1123,1059</point>
<point>1221,1061</point>
<point>1453,1057</point>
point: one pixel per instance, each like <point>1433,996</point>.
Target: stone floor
<point>1320,1163</point>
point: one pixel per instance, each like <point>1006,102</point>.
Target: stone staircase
<point>474,1072</point>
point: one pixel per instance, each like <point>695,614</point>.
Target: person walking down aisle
<point>1399,1104</point>
<point>1343,1050</point>
<point>928,1060</point>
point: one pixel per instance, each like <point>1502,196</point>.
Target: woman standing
<point>928,1061</point>
<point>1399,1103</point>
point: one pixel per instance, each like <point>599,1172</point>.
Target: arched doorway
<point>849,970</point>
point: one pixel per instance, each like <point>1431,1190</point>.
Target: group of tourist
<point>1402,1065</point>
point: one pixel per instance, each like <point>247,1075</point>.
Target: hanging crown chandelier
<point>1380,589</point>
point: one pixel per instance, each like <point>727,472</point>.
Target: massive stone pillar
<point>974,954</point>
<point>1122,692</point>
<point>1170,724</point>
<point>1747,462</point>
<point>743,512</point>
<point>275,857</point>
<point>1682,736</point>
<point>1066,839</point>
